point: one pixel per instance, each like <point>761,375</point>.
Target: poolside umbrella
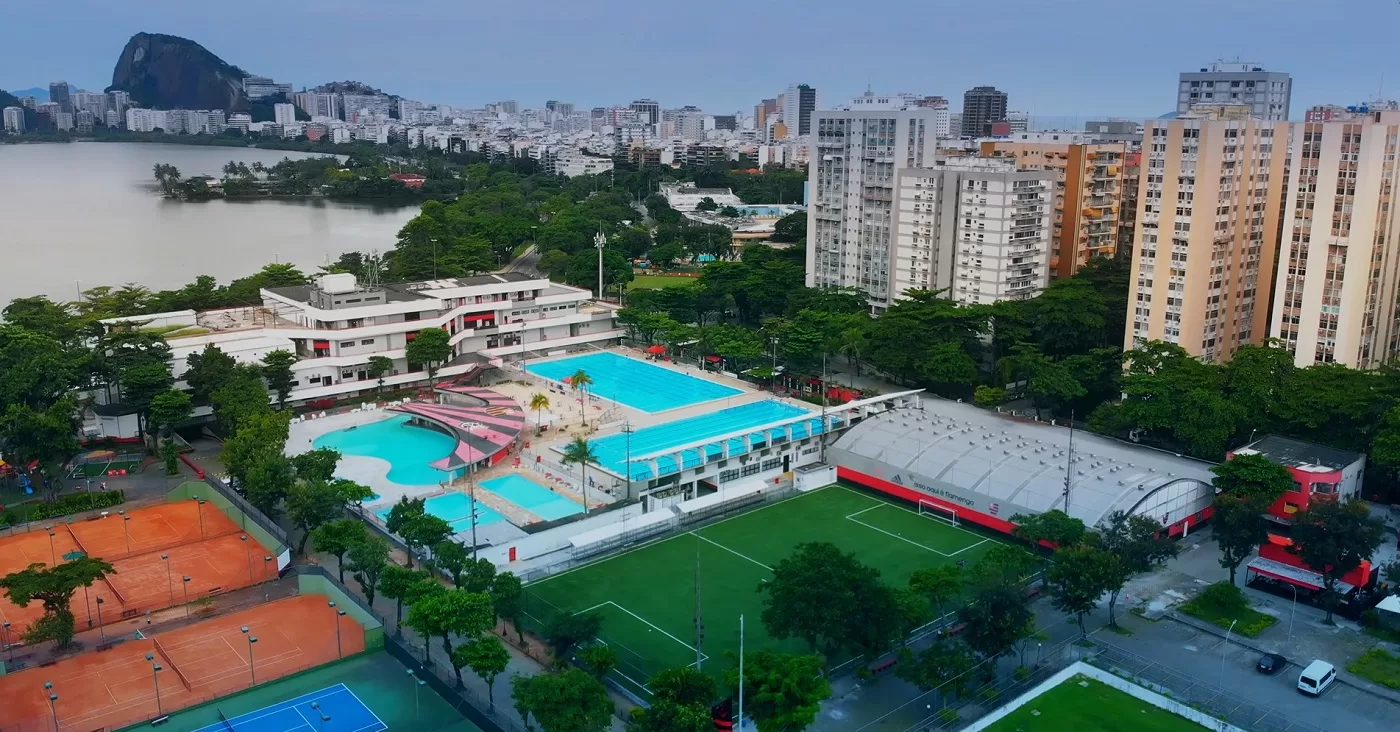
<point>656,350</point>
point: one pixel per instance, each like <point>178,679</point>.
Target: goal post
<point>934,511</point>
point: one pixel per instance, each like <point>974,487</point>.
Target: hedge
<point>64,506</point>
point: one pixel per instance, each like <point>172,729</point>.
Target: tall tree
<point>995,618</point>
<point>377,368</point>
<point>368,559</point>
<point>1334,537</point>
<point>538,403</point>
<point>945,666</point>
<point>53,587</point>
<point>680,702</point>
<point>565,631</point>
<point>170,408</point>
<point>1246,486</point>
<point>277,371</point>
<point>579,382</point>
<point>45,436</point>
<point>571,701</point>
<point>600,659</point>
<point>1054,527</point>
<point>1141,545</point>
<point>396,583</point>
<point>317,465</point>
<point>311,504</point>
<point>487,657</point>
<point>829,599</point>
<point>507,594</point>
<point>260,435</point>
<point>208,370</point>
<point>270,480</point>
<point>424,530</point>
<point>455,612</point>
<point>579,452</point>
<point>239,398</point>
<point>336,538</point>
<point>1077,579</point>
<point>430,348</point>
<point>782,691</point>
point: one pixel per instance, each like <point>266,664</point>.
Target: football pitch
<point>647,596</point>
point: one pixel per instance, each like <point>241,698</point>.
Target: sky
<point>1060,60</point>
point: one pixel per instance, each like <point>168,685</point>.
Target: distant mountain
<point>168,72</point>
<point>40,94</point>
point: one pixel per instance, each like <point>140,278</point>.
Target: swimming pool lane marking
<point>731,551</point>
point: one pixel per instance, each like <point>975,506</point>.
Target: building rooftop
<point>1306,456</point>
<point>1019,461</point>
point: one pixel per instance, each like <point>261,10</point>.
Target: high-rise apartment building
<point>284,114</point>
<point>261,87</point>
<point>1127,211</point>
<point>1266,93</point>
<point>1332,304</point>
<point>1088,193</point>
<point>982,105</point>
<point>510,106</point>
<point>59,94</point>
<point>761,112</point>
<point>851,182</point>
<point>1209,202</point>
<point>14,120</point>
<point>799,101</point>
<point>979,228</point>
<point>119,101</point>
<point>1018,120</point>
<point>316,104</point>
<point>648,111</point>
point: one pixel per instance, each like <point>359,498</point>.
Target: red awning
<point>656,349</point>
<point>479,316</point>
<point>320,344</point>
<point>713,359</point>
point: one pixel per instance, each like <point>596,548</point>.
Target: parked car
<point>1271,663</point>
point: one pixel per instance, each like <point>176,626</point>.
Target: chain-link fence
<point>442,678</point>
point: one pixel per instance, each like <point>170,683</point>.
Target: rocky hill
<point>169,72</point>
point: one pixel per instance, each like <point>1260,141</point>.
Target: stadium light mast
<point>699,620</point>
<point>1069,462</point>
<point>599,241</point>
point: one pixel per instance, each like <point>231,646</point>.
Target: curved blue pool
<point>407,449</point>
<point>637,384</point>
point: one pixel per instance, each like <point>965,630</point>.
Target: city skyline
<point>557,54</point>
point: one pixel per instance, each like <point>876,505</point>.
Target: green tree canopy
<point>782,691</point>
<point>1334,537</point>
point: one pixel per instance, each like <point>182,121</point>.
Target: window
<point>772,464</point>
<point>750,469</point>
<point>347,344</point>
<point>367,342</point>
<point>726,476</point>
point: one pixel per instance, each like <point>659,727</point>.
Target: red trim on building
<point>1282,578</point>
<point>913,496</point>
<point>320,344</point>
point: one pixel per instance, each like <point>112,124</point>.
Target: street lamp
<point>126,532</point>
<point>186,585</point>
<point>53,702</point>
<point>155,669</point>
<point>324,717</point>
<point>100,632</point>
<point>338,614</point>
<point>200,510</point>
<point>267,572</point>
<point>169,581</point>
<point>417,684</point>
<point>626,430</point>
<point>1223,649</point>
<point>252,674</point>
<point>244,538</point>
<point>1293,587</point>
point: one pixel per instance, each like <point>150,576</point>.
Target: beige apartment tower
<point>1336,292</point>
<point>1209,201</point>
<point>1088,195</point>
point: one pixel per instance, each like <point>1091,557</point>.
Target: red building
<point>1317,471</point>
<point>411,180</point>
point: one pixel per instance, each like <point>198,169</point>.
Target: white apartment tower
<point>1338,284</point>
<point>978,228</point>
<point>14,120</point>
<point>1266,93</point>
<point>284,114</point>
<point>1209,200</point>
<point>851,179</point>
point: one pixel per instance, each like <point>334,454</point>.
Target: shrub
<point>1224,597</point>
<point>949,715</point>
<point>1021,673</point>
<point>988,396</point>
<point>64,506</point>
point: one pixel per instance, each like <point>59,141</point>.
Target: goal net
<point>935,511</point>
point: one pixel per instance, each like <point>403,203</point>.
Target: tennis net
<point>76,542</point>
<point>170,664</point>
<point>227,724</point>
<point>113,588</point>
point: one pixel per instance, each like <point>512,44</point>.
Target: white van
<point>1316,678</point>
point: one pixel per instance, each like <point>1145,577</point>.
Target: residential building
<point>1088,193</point>
<point>851,182</point>
<point>1115,130</point>
<point>316,104</point>
<point>510,106</point>
<point>1127,210</point>
<point>409,111</point>
<point>14,120</point>
<point>63,121</point>
<point>690,125</point>
<point>1018,121</point>
<point>648,111</point>
<point>29,102</point>
<point>112,119</point>
<point>1217,258</point>
<point>684,197</point>
<point>1330,304</point>
<point>119,101</point>
<point>336,324</point>
<point>145,120</point>
<point>240,122</point>
<point>284,114</point>
<point>359,107</point>
<point>799,101</point>
<point>574,165</point>
<point>261,87</point>
<point>90,102</point>
<point>84,120</point>
<point>982,106</point>
<point>726,122</point>
<point>1266,93</point>
<point>60,94</point>
<point>978,228</point>
<point>762,111</point>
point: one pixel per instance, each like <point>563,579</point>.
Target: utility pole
<point>1069,461</point>
<point>822,437</point>
<point>471,491</point>
<point>599,241</point>
<point>627,430</point>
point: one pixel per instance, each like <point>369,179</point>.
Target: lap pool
<point>613,450</point>
<point>637,384</point>
<point>532,497</point>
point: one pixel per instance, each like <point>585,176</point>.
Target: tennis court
<point>118,686</point>
<point>333,709</point>
<point>647,595</point>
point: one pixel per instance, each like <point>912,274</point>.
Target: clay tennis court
<point>114,688</point>
<point>143,581</point>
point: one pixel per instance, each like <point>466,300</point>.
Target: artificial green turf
<point>1081,704</point>
<point>641,282</point>
<point>647,596</point>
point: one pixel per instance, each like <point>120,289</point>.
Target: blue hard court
<point>347,714</point>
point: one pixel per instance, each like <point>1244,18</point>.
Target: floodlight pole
<point>699,620</point>
<point>599,241</point>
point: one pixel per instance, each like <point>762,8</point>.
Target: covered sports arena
<point>983,467</point>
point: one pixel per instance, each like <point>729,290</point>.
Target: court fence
<point>237,508</point>
<point>443,680</point>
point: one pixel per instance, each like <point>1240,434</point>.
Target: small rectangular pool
<point>636,384</point>
<point>613,450</point>
<point>456,510</point>
<point>532,497</point>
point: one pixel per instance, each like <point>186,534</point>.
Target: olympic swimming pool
<point>612,450</point>
<point>637,384</point>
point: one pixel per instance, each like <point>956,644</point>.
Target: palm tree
<point>581,453</point>
<point>580,382</point>
<point>852,342</point>
<point>538,403</point>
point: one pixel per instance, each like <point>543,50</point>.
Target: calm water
<point>90,213</point>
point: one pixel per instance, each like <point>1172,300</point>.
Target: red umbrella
<point>713,359</point>
<point>656,350</point>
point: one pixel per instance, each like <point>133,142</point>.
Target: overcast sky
<point>1056,58</point>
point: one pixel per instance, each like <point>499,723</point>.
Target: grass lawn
<point>1250,622</point>
<point>652,282</point>
<point>647,595</point>
<point>1086,705</point>
<point>1378,666</point>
